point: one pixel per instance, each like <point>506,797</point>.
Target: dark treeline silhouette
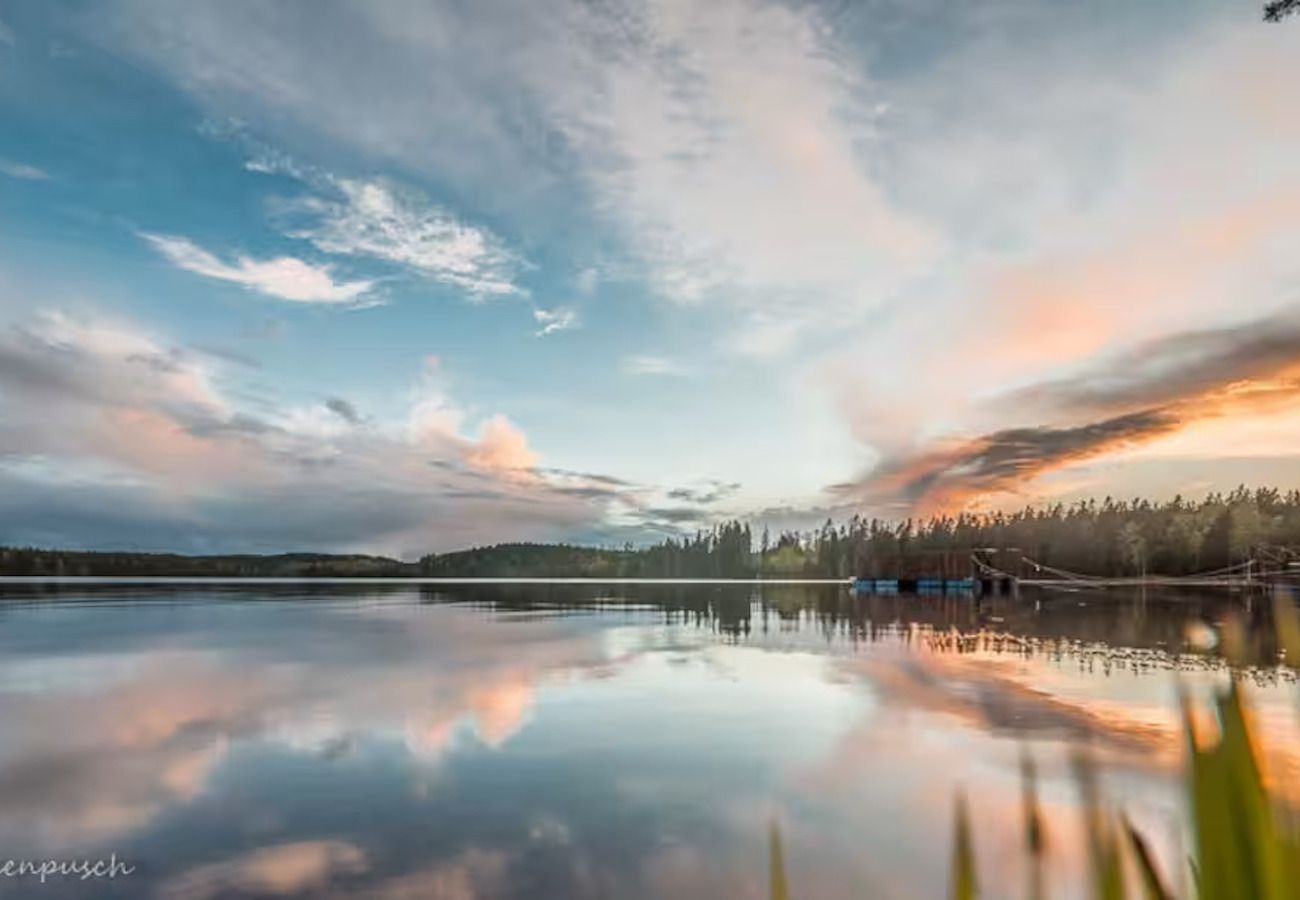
<point>1107,538</point>
<point>725,551</point>
<point>34,561</point>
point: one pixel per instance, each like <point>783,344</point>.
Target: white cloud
<point>587,281</point>
<point>730,143</point>
<point>375,219</point>
<point>107,436</point>
<point>284,277</point>
<point>647,364</point>
<point>561,318</point>
<point>1095,213</point>
<point>17,169</point>
<point>6,34</point>
<point>870,186</point>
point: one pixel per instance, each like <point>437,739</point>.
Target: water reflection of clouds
<point>148,737</point>
<point>881,799</point>
<point>499,754</point>
<point>335,870</point>
<point>995,697</point>
<point>948,720</point>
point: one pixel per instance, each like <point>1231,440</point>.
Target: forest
<point>1109,537</point>
<point>32,561</point>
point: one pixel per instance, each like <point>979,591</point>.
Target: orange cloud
<point>501,448</point>
<point>1131,400</point>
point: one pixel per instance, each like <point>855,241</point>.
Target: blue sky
<point>404,277</point>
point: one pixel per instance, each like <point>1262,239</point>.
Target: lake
<point>584,740</point>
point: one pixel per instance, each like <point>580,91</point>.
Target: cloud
<point>562,318</point>
<point>650,364</point>
<point>284,276</point>
<point>108,436</point>
<point>7,35</point>
<point>154,724</point>
<point>868,183</point>
<point>377,220</point>
<point>714,492</point>
<point>501,448</point>
<point>587,281</point>
<point>1069,251</point>
<point>763,207</point>
<point>1118,402</point>
<point>949,477</point>
<point>727,146</point>
<point>344,410</point>
<point>17,169</point>
<point>1176,368</point>
<point>673,515</point>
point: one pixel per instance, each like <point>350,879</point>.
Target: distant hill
<point>29,561</point>
<point>533,561</point>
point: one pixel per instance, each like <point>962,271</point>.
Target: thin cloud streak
<point>16,169</point>
<point>654,365</point>
<point>284,277</point>
<point>561,318</point>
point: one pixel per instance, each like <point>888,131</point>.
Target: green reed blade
<point>965,885</point>
<point>780,889</point>
<point>1152,887</point>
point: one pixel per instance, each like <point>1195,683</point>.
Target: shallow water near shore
<point>571,740</point>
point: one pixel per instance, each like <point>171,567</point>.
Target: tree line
<point>1109,538</point>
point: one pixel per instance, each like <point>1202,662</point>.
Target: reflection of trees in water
<point>725,608</point>
<point>1099,658</point>
<point>1104,628</point>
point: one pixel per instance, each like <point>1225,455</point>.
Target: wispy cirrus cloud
<point>655,365</point>
<point>762,207</point>
<point>377,220</point>
<point>561,318</point>
<point>17,169</point>
<point>283,277</point>
<point>725,145</point>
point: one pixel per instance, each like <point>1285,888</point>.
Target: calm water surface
<point>575,741</point>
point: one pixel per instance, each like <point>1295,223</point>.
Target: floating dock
<point>916,585</point>
<point>934,572</point>
<point>986,571</point>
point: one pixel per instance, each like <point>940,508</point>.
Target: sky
<point>406,277</point>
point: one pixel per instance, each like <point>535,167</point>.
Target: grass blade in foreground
<point>965,885</point>
<point>780,890</point>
